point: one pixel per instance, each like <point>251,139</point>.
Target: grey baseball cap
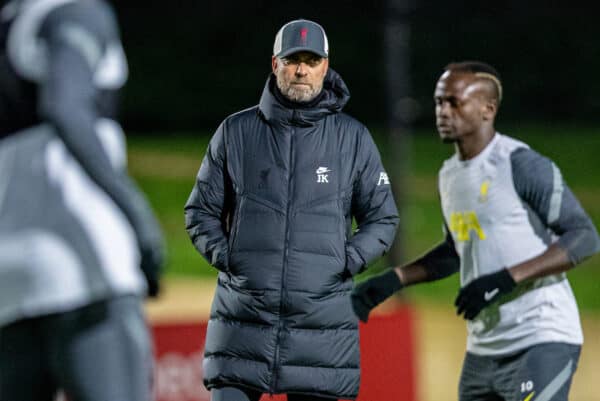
<point>301,35</point>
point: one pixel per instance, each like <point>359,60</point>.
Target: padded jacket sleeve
<point>205,211</point>
<point>373,207</point>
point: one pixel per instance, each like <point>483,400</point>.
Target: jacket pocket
<point>235,226</point>
<point>354,262</point>
<point>349,264</point>
<point>229,281</point>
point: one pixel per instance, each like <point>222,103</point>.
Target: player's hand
<point>482,292</point>
<point>374,291</point>
<point>152,260</point>
<point>151,244</point>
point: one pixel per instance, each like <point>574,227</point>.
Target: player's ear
<point>274,64</point>
<point>490,108</point>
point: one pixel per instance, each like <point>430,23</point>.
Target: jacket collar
<point>331,100</point>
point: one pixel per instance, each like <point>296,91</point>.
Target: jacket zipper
<point>284,265</point>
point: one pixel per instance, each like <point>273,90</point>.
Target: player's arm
<point>436,264</point>
<point>540,185</point>
<point>373,207</point>
<point>206,210</point>
<point>76,36</point>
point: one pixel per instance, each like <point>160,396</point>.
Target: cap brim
<point>293,50</point>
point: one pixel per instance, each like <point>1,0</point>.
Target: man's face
<point>461,106</point>
<point>300,75</point>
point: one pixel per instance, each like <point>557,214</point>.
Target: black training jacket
<point>272,209</point>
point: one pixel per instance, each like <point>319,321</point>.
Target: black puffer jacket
<point>272,210</point>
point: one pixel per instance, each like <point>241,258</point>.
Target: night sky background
<point>192,63</point>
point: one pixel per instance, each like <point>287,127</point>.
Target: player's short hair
<point>480,70</point>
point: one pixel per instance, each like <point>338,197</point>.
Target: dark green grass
<point>165,168</point>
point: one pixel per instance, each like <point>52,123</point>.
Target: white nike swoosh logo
<point>323,170</point>
<point>491,294</point>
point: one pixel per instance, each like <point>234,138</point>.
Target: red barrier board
<point>387,357</point>
<point>387,360</point>
<point>179,349</point>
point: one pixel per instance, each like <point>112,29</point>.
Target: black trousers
<point>98,352</point>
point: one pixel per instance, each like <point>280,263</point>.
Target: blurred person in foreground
<point>513,228</point>
<point>79,245</point>
<point>272,210</point>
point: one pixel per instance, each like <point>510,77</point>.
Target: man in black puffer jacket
<point>272,209</point>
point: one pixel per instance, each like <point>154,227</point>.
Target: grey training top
<point>505,206</point>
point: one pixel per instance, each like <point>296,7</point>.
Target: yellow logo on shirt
<point>483,191</point>
<point>461,224</point>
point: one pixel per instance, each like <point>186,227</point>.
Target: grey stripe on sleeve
<point>6,167</point>
<point>557,195</point>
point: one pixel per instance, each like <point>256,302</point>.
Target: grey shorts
<point>540,373</point>
<point>95,353</point>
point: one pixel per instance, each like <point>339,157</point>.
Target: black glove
<point>374,291</point>
<point>152,259</point>
<point>482,292</point>
<point>150,240</point>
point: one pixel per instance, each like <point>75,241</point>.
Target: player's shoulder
<point>498,152</point>
<point>520,155</point>
<point>97,16</point>
<point>501,149</point>
<point>526,162</point>
<point>507,144</point>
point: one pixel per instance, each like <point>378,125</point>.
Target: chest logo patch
<point>323,175</point>
<point>483,191</point>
